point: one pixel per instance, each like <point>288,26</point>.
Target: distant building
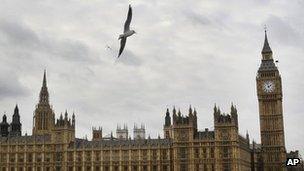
<point>97,134</point>
<point>122,133</point>
<point>139,132</point>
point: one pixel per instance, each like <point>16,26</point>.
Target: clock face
<point>268,86</point>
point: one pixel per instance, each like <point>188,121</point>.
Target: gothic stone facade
<point>53,146</point>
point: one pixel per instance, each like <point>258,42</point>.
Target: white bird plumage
<point>127,32</point>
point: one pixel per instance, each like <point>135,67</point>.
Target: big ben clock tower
<point>269,90</point>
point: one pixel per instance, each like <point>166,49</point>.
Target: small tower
<point>226,136</point>
<point>225,119</point>
<point>44,117</point>
<point>233,113</point>
<point>247,138</point>
<point>73,120</point>
<point>122,133</point>
<point>195,118</point>
<point>15,127</point>
<point>64,129</point>
<point>167,125</point>
<point>4,127</point>
<point>96,133</point>
<point>139,132</point>
<point>192,117</point>
<point>174,115</point>
<point>184,127</point>
<point>167,118</point>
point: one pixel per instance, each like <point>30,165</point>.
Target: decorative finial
<point>190,109</point>
<point>16,111</point>
<point>174,110</point>
<point>179,112</point>
<point>265,28</point>
<point>167,112</point>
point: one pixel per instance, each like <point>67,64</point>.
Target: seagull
<point>127,32</point>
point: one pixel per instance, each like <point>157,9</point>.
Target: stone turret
<point>64,122</point>
<point>139,132</point>
<point>226,137</point>
<point>4,126</point>
<point>64,128</point>
<point>234,113</point>
<point>225,118</point>
<point>97,133</point>
<point>15,126</point>
<point>183,127</point>
<point>122,133</point>
<point>167,118</point>
<point>73,120</point>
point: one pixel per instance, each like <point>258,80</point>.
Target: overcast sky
<point>186,52</point>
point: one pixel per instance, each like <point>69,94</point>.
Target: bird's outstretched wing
<point>122,46</point>
<point>128,21</point>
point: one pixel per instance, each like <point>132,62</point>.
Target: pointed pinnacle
<point>44,79</point>
<point>266,47</point>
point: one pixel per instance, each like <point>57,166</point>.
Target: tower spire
<point>15,125</point>
<point>44,79</point>
<point>266,48</point>
<point>4,127</point>
<point>16,116</point>
<point>44,94</point>
<point>167,118</point>
<point>16,110</point>
<point>4,119</point>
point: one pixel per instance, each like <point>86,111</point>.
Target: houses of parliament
<point>54,147</point>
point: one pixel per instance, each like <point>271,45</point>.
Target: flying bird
<point>127,32</point>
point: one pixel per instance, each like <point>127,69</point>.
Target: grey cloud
<point>10,86</point>
<point>70,50</point>
<point>18,34</point>
<point>129,58</point>
<point>199,53</point>
<point>25,39</point>
<point>283,32</point>
<point>197,18</point>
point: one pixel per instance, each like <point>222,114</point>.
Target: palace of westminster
<point>54,147</point>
